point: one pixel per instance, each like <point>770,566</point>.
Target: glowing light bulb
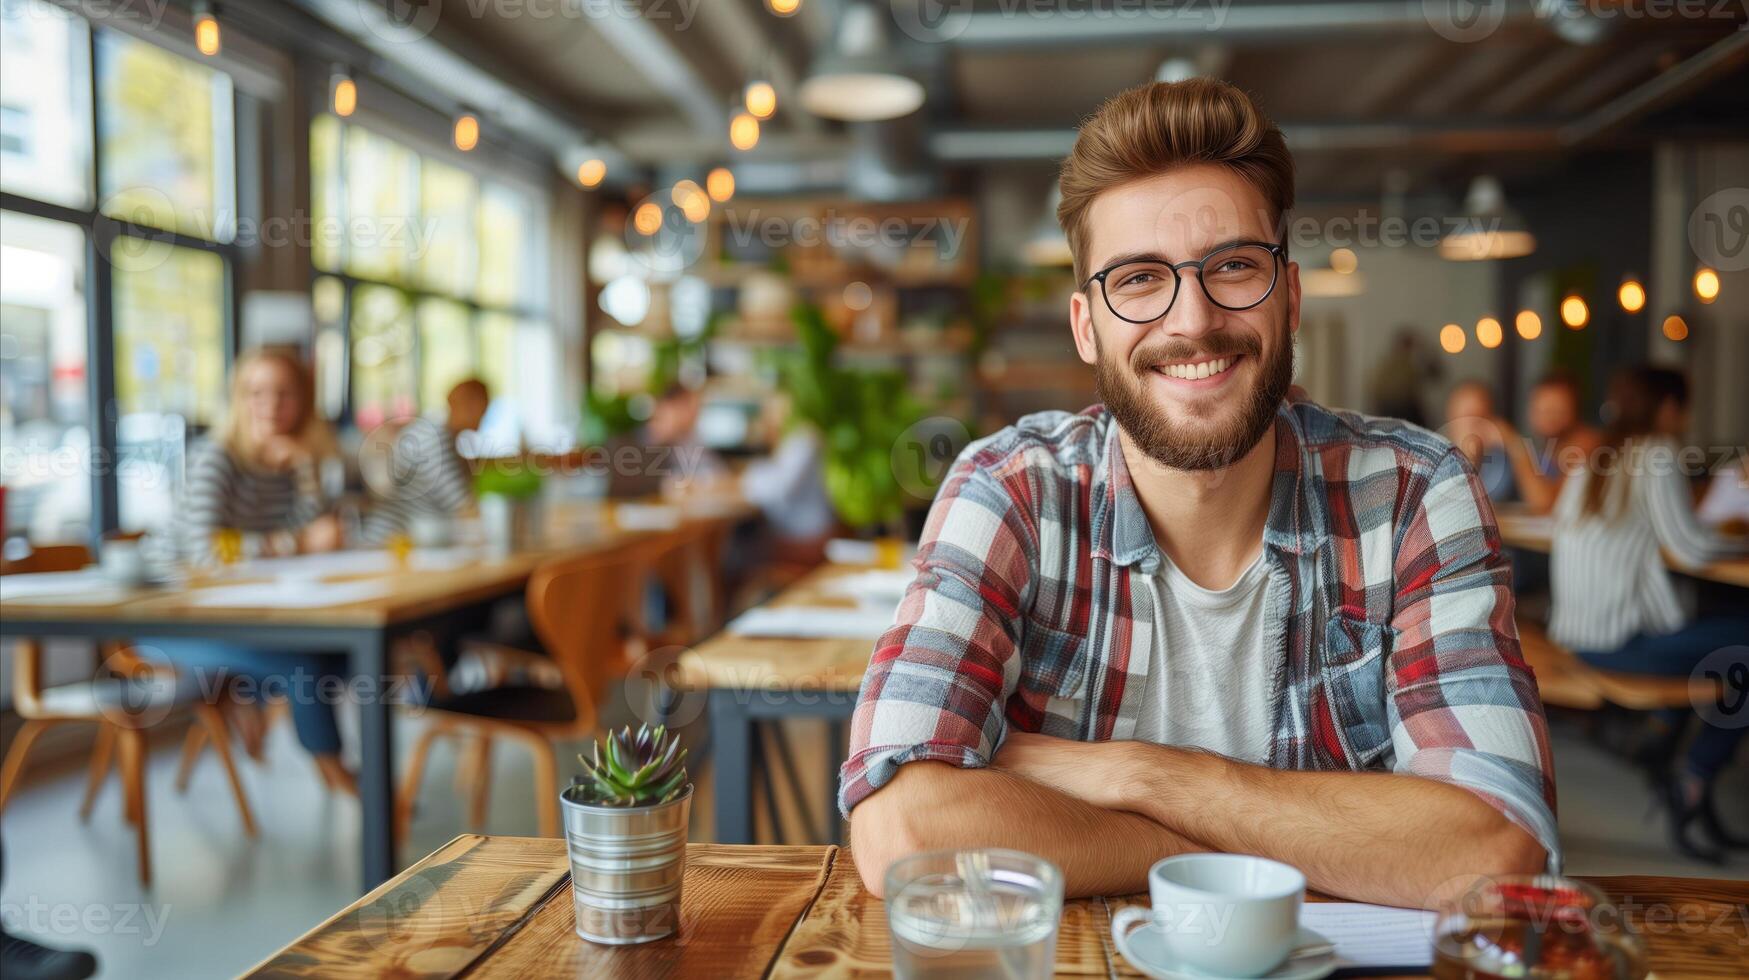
<point>1530,326</point>
<point>1574,312</point>
<point>720,184</point>
<point>345,100</point>
<point>1706,284</point>
<point>590,173</point>
<point>743,131</point>
<point>467,132</point>
<point>206,31</point>
<point>1451,337</point>
<point>1675,328</point>
<point>761,100</point>
<point>1489,333</point>
<point>1632,296</point>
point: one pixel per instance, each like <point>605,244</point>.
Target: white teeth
<point>1196,372</point>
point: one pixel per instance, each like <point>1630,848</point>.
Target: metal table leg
<point>368,655</point>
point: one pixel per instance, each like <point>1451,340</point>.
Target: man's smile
<point>1210,371</point>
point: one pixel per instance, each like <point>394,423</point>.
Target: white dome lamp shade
<point>860,80</point>
<point>1490,229</point>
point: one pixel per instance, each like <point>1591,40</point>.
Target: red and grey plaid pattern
<point>1389,601</point>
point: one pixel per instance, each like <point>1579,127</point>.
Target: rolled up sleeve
<point>1463,704</point>
<point>939,677</point>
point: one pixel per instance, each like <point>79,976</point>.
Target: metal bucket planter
<point>627,865</point>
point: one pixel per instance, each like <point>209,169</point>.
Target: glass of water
<point>974,913</point>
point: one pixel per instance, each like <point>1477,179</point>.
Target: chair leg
<point>546,781</point>
<point>102,755</point>
<point>14,764</point>
<point>481,792</point>
<point>410,783</point>
<point>132,745</point>
<point>213,723</point>
<point>191,746</point>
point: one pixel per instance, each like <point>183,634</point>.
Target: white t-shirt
<point>1210,680</point>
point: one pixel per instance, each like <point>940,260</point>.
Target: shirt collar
<point>1120,529</point>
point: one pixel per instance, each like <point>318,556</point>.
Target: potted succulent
<point>509,493</point>
<point>625,831</point>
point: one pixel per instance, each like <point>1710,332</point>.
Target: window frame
<point>413,289</point>
<point>101,231</point>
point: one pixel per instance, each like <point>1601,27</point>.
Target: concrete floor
<point>222,902</point>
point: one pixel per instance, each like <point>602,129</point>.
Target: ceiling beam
<point>655,54</point>
<point>1721,57</point>
<point>976,145</point>
<point>1073,25</point>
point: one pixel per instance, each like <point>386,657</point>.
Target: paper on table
<point>363,562</point>
<point>289,595</point>
<point>32,584</point>
<point>812,622</point>
<point>877,585</point>
<point>1373,935</point>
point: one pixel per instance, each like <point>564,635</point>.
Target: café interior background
<point>582,203</point>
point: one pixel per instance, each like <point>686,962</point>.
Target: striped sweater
<point>423,475</point>
<point>1607,573</point>
<point>223,492</point>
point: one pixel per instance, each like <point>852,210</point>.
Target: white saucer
<point>1149,942</point>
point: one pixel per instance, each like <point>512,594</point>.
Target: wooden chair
<point>1567,681</point>
<point>123,709</point>
<point>583,610</point>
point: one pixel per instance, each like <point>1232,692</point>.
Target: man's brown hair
<point>1150,129</point>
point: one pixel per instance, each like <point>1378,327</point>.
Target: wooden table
<point>362,632</point>
<point>501,906</point>
<point>751,679</point>
<point>1519,528</point>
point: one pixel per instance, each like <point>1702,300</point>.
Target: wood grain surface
<point>736,910</point>
<point>412,593</point>
<point>434,919</point>
<point>750,663</point>
<point>498,906</point>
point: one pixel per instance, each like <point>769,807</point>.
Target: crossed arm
<point>1105,811</point>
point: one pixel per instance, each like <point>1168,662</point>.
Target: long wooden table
<point>1519,528</point>
<point>752,679</point>
<point>361,631</point>
<point>501,906</point>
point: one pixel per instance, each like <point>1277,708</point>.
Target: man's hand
<point>1090,771</point>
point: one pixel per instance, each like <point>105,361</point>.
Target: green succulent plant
<point>645,769</point>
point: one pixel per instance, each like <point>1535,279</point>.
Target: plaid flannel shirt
<point>1389,602</point>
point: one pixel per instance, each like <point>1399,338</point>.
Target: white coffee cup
<point>122,562</point>
<point>1232,915</point>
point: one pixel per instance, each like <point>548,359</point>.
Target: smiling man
<point>1207,615</point>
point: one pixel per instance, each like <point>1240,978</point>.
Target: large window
<point>152,202</point>
<point>437,278</point>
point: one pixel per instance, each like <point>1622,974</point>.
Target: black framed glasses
<point>1234,277</point>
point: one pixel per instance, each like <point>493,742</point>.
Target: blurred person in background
<point>1554,418</point>
<point>258,490</point>
<point>1615,603</point>
<point>673,425</point>
<point>1473,426</point>
<point>417,468</point>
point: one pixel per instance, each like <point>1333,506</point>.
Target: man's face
<point>1553,410</point>
<point>1210,418</point>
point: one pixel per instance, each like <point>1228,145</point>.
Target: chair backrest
<point>583,609</point>
<point>49,558</point>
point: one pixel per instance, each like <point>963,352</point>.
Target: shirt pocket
<point>1356,656</point>
<point>1053,662</point>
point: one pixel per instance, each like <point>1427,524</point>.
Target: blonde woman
<point>261,480</point>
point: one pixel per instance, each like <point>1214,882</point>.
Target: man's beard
<point>1179,444</point>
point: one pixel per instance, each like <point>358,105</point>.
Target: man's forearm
<point>1379,837</point>
<point>931,806</point>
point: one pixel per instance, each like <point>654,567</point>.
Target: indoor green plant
<point>861,414</point>
<point>625,831</point>
<point>509,493</point>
